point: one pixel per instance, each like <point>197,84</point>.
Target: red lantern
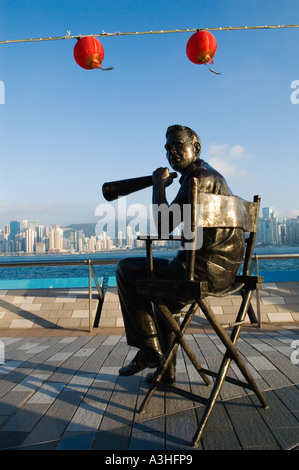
<point>201,47</point>
<point>89,53</point>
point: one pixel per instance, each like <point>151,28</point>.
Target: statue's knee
<point>122,267</point>
<point>130,269</point>
<point>119,268</point>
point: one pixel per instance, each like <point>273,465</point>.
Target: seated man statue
<point>216,261</point>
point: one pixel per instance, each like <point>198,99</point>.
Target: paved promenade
<point>66,307</point>
<point>60,389</point>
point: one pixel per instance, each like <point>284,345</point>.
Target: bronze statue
<point>217,261</point>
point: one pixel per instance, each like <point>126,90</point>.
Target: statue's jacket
<point>220,255</point>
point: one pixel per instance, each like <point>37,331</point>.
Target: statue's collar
<point>194,165</point>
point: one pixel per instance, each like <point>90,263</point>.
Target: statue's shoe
<point>141,361</point>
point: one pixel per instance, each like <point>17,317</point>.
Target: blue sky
<point>64,131</point>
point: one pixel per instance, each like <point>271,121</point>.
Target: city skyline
<point>29,236</point>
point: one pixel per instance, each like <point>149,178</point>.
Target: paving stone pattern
<point>69,308</point>
<point>279,302</point>
<point>46,308</point>
<point>61,390</point>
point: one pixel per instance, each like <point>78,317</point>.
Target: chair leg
<point>230,342</point>
<point>156,380</point>
<point>251,312</point>
<point>171,353</point>
<point>231,353</point>
<point>212,399</point>
<point>179,336</point>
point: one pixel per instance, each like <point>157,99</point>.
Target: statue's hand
<point>161,176</point>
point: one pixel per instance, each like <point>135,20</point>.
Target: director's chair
<point>217,211</point>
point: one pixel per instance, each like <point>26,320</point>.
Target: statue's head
<point>182,146</point>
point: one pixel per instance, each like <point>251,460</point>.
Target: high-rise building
<point>30,236</point>
<point>292,230</point>
<point>40,232</point>
<point>56,239</point>
<point>120,239</point>
<point>129,236</point>
<point>14,229</point>
<point>33,224</point>
<point>268,212</point>
<point>73,240</point>
<point>40,248</point>
<point>268,231</point>
<point>91,243</point>
<point>6,232</point>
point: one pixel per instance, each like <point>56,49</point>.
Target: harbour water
<point>54,272</point>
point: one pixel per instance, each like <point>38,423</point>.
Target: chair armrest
<point>157,237</point>
<point>177,290</point>
<point>251,282</point>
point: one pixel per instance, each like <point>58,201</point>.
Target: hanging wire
<point>139,33</point>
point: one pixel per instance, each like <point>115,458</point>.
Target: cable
<point>139,33</point>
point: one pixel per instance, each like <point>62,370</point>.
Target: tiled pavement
<point>60,389</point>
<point>279,302</point>
<point>69,307</point>
<point>46,308</point>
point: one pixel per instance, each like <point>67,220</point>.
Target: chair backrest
<point>222,211</point>
<point>229,212</point>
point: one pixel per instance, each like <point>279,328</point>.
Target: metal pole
<point>90,293</point>
<point>257,293</point>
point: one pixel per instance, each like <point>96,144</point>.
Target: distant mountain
<point>88,229</point>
